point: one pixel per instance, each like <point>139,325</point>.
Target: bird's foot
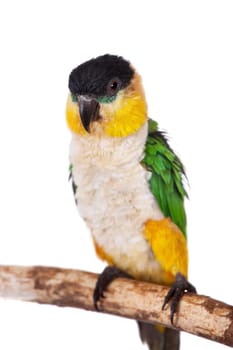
<point>175,293</point>
<point>105,278</point>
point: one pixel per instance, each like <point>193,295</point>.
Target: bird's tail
<point>159,338</point>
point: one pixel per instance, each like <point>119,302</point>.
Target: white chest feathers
<point>114,197</point>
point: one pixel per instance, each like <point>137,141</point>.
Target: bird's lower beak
<point>89,110</point>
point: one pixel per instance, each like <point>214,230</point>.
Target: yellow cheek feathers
<point>73,118</point>
<point>129,117</point>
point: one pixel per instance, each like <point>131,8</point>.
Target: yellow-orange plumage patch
<point>101,253</point>
<point>169,247</point>
<point>128,118</point>
<point>73,118</point>
<point>129,111</point>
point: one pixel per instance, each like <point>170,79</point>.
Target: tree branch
<point>199,315</point>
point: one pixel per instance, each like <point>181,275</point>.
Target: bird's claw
<point>105,278</point>
<point>175,293</point>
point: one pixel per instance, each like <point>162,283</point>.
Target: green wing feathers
<point>167,174</point>
<point>74,186</point>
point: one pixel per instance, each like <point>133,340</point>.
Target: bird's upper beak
<point>89,110</point>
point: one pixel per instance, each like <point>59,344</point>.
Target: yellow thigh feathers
<point>169,247</point>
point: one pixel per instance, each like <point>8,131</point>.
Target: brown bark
<point>199,315</point>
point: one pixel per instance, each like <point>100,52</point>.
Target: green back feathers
<point>166,176</point>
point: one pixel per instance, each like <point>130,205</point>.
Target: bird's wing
<point>167,172</point>
<point>74,186</point>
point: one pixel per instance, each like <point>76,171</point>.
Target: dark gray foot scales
<point>109,274</point>
<point>177,290</point>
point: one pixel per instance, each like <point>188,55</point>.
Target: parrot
<point>128,185</point>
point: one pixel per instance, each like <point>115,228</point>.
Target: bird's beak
<point>89,110</point>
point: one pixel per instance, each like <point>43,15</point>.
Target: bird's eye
<point>113,86</point>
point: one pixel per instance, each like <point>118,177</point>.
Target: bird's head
<point>106,98</point>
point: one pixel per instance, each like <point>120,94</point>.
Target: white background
<point>184,52</point>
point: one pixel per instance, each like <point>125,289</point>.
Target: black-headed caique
<point>127,183</point>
